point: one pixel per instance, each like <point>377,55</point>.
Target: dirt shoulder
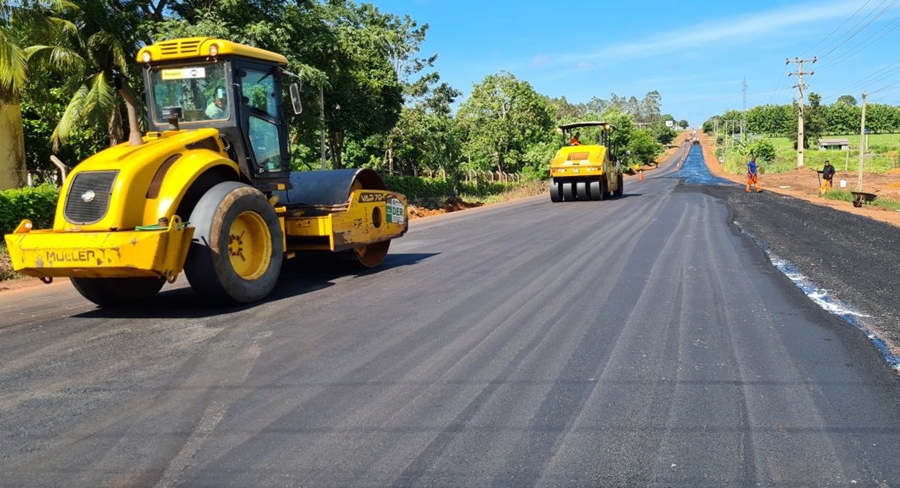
<point>803,183</point>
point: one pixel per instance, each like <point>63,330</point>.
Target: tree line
<point>66,67</point>
<point>840,118</point>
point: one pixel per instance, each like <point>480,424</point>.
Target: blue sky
<point>696,54</point>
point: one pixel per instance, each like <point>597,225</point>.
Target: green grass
<point>884,151</point>
<point>882,156</point>
<point>847,196</point>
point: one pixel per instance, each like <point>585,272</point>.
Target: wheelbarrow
<point>860,197</point>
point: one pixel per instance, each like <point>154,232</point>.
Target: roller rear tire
<point>237,249</point>
<point>581,190</point>
<point>595,190</point>
<point>568,191</point>
<point>603,194</point>
<point>620,190</point>
<point>555,191</point>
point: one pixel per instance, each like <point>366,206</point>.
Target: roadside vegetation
<point>770,133</point>
<point>378,101</point>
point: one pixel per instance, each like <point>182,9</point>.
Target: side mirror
<point>295,98</point>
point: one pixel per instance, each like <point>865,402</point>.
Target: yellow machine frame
<point>140,235</point>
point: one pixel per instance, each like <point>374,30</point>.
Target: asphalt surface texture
<point>645,340</point>
<point>854,258</point>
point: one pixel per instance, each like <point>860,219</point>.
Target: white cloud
<point>739,31</point>
<point>540,60</point>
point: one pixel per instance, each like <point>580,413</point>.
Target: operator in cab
<point>218,108</point>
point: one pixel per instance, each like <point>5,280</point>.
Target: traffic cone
<point>641,175</point>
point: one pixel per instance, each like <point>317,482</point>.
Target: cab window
<point>198,89</point>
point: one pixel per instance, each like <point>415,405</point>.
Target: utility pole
<point>862,135</point>
<point>800,86</point>
<point>744,112</point>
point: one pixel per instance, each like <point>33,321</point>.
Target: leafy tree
<point>503,118</point>
<point>814,123</point>
<point>431,106</point>
<point>23,24</point>
<point>763,149</point>
<point>881,118</point>
<point>841,118</point>
<point>597,105</point>
<point>13,73</point>
<point>96,59</point>
<point>772,120</point>
<point>366,94</point>
<point>644,147</point>
<point>623,129</point>
<point>662,133</point>
<point>39,117</point>
<point>426,137</point>
<point>565,112</point>
<point>848,100</point>
<point>650,107</point>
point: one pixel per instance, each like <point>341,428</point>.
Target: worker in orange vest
<point>752,177</point>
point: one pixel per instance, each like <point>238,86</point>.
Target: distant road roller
<point>208,190</point>
<point>586,167</point>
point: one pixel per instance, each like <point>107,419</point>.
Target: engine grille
<point>171,48</point>
<point>88,199</point>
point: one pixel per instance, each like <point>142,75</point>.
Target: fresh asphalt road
<point>640,341</point>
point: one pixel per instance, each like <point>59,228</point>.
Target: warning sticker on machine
<point>395,211</point>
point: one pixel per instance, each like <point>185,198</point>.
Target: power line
<point>781,81</point>
<point>862,23</point>
<point>870,22</point>
<point>865,43</point>
<point>875,77</point>
<point>894,85</point>
<point>837,28</point>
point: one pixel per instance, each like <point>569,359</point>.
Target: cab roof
<point>575,125</point>
<point>198,47</point>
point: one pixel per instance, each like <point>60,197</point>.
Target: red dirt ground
<point>803,183</point>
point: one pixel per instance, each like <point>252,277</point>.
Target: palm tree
<point>98,67</point>
<point>95,63</point>
<point>13,75</point>
<point>20,26</point>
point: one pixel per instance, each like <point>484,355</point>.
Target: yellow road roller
<point>586,166</point>
<point>208,190</point>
